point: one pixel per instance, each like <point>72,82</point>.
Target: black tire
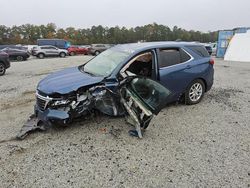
<point>40,56</point>
<point>72,53</point>
<point>2,69</point>
<point>20,58</point>
<point>62,54</point>
<point>97,53</point>
<point>195,92</point>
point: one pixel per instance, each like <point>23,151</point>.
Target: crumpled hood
<point>66,81</point>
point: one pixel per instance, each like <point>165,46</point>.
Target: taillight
<point>211,61</point>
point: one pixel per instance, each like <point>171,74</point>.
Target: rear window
<point>199,50</point>
<point>173,56</point>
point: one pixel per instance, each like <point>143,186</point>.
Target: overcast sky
<point>203,15</point>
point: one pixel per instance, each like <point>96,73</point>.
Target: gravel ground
<point>205,145</point>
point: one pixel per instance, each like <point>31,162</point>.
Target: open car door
<point>143,98</point>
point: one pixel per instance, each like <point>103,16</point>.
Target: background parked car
<point>208,47</point>
<point>18,47</point>
<point>47,51</point>
<point>96,49</point>
<point>74,50</point>
<point>214,48</point>
<point>59,43</point>
<point>15,54</point>
<point>4,62</point>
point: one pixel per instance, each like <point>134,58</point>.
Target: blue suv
<point>136,80</point>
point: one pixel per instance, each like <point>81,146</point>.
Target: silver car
<point>96,49</point>
<point>48,51</point>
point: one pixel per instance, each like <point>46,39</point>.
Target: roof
<point>150,45</point>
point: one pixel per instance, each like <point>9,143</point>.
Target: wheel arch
<point>41,53</point>
<point>204,81</point>
<point>198,78</point>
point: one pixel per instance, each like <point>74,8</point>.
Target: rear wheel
<point>195,92</point>
<point>2,69</point>
<point>19,58</point>
<point>40,56</point>
<point>62,54</point>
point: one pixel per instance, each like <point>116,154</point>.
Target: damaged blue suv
<point>136,80</point>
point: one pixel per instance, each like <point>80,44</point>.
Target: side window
<point>184,56</point>
<point>44,48</point>
<point>168,57</point>
<point>172,56</point>
<point>199,50</point>
<point>139,65</point>
<point>51,47</point>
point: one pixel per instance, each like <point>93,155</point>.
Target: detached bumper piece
<point>32,124</point>
<point>42,121</point>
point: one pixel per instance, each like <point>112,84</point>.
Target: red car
<point>73,50</point>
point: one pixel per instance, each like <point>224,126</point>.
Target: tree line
<point>28,34</point>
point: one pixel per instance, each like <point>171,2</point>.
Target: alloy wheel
<point>19,58</point>
<point>195,92</point>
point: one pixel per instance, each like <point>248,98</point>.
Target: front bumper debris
<point>32,124</point>
<point>42,120</point>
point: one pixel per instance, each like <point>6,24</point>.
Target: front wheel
<point>97,53</point>
<point>2,69</point>
<point>72,53</point>
<point>195,92</point>
<point>19,58</point>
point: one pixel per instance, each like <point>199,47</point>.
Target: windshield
<point>106,62</point>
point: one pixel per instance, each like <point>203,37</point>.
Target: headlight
<point>61,102</point>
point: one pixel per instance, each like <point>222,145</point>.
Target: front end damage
<point>64,109</point>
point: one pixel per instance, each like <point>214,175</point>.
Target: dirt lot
<point>205,145</point>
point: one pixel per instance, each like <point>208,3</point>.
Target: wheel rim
<point>19,58</point>
<point>41,56</point>
<point>72,53</point>
<point>62,55</point>
<point>195,92</point>
<point>2,68</point>
<point>97,53</point>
